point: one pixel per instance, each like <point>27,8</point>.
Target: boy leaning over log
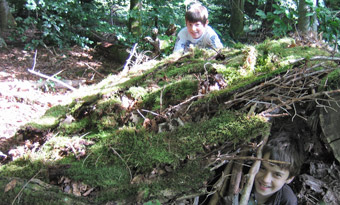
<point>197,32</point>
<point>271,181</point>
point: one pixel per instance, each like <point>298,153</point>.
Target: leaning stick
<point>51,78</point>
<point>46,76</point>
<point>252,172</point>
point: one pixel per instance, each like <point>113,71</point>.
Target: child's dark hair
<point>285,146</point>
<point>197,12</point>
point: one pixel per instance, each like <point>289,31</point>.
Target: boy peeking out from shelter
<point>197,32</point>
<point>271,181</point>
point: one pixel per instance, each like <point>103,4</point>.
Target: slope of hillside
<point>163,131</point>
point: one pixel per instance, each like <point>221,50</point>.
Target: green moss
<point>99,175</point>
<point>227,126</point>
<point>331,81</point>
<point>51,118</point>
<point>22,168</point>
<point>171,94</point>
<point>76,126</point>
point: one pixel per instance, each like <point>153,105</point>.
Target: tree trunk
<point>315,22</point>
<point>3,15</point>
<point>6,17</point>
<point>237,18</point>
<point>303,21</point>
<point>266,23</point>
<point>135,17</point>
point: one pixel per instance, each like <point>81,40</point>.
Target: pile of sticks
<point>276,96</point>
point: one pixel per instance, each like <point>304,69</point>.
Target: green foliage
<point>329,24</point>
<point>284,16</point>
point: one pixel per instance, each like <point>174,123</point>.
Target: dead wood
<point>282,91</point>
<point>252,172</point>
<point>224,179</point>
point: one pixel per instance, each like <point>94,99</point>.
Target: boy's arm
<point>212,39</point>
<point>180,42</point>
<point>179,45</point>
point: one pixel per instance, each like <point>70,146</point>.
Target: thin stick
<point>101,75</point>
<point>123,161</point>
<point>51,78</point>
<point>252,172</point>
<point>126,66</point>
<point>156,114</point>
<point>22,189</point>
<point>141,114</point>
<point>219,193</point>
<point>34,59</point>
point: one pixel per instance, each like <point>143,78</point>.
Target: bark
<point>135,18</point>
<point>6,17</point>
<point>303,21</point>
<point>237,18</point>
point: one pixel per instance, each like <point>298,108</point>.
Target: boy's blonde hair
<point>197,12</point>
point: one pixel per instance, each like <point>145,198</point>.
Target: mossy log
<point>34,191</point>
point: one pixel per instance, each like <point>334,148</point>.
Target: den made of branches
<point>185,129</point>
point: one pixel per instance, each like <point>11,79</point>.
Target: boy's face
<point>196,29</point>
<point>270,179</point>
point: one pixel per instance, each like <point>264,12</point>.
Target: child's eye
<point>278,175</point>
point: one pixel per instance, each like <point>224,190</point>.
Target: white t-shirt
<point>209,38</point>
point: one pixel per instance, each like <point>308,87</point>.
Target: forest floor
<point>25,96</point>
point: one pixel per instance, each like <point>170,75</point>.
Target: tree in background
<point>6,18</point>
<point>135,24</point>
<point>237,18</point>
<point>65,23</point>
<point>307,20</point>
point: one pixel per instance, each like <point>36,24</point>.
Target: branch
<point>126,66</point>
<point>22,189</point>
<point>123,161</point>
<point>316,58</point>
<point>252,172</point>
<point>45,76</point>
<point>51,78</point>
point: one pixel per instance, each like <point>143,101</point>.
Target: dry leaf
<point>75,189</point>
<point>10,185</point>
<point>88,192</point>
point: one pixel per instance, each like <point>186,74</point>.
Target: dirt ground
<point>25,96</point>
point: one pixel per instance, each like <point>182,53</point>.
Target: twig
<point>45,76</point>
<point>253,171</point>
<point>51,78</point>
<point>22,189</point>
<point>101,75</point>
<point>141,114</point>
<point>236,175</point>
<point>123,161</point>
<point>186,101</point>
<point>219,193</point>
<point>315,58</point>
<point>156,114</point>
<point>126,66</point>
<point>34,59</point>
<point>161,100</point>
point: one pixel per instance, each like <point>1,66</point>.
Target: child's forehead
<point>274,167</point>
<point>269,163</point>
<point>194,22</point>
